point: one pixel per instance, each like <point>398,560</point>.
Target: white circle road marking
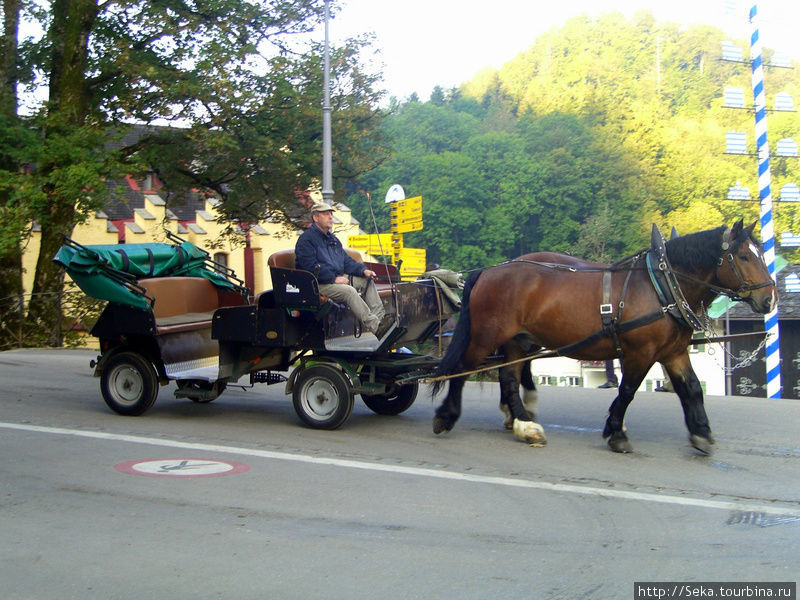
<point>181,467</point>
<point>781,508</point>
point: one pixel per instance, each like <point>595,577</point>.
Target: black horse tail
<point>451,360</point>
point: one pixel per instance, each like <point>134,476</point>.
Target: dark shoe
<point>386,325</point>
<point>608,385</point>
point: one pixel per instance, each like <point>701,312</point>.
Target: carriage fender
<point>293,375</point>
<point>99,364</point>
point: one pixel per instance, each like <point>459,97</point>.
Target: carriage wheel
<point>392,403</point>
<point>322,397</point>
<point>129,384</point>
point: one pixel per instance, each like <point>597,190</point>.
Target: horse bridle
<point>745,289</point>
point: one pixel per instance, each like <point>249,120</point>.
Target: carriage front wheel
<point>129,384</point>
<point>393,403</point>
<point>322,397</point>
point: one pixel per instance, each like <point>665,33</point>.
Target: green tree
<point>602,121</point>
<point>9,164</point>
<point>246,94</point>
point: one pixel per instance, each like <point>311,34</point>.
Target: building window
<point>221,258</point>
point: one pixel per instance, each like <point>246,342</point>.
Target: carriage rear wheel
<point>322,397</point>
<point>129,384</point>
<point>393,403</point>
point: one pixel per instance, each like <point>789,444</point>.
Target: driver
<point>340,277</point>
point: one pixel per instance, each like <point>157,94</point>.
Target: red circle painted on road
<point>182,467</point>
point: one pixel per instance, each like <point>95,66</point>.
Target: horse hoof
<point>439,425</point>
<point>701,444</point>
<point>622,446</point>
<point>530,432</point>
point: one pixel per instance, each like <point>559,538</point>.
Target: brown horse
<point>554,301</point>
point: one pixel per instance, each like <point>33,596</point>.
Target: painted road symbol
<point>182,467</point>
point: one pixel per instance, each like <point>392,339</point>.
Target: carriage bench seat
<point>285,260</point>
<point>182,303</point>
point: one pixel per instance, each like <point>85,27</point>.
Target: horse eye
<point>744,257</point>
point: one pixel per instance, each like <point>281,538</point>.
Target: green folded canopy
<point>110,272</point>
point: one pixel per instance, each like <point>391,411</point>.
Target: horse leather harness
<point>611,324</point>
<point>667,289</point>
<point>669,293</point>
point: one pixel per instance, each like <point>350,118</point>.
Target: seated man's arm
<point>353,267</point>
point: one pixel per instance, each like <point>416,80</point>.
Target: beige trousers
<point>369,309</point>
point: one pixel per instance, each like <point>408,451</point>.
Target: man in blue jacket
<point>340,277</point>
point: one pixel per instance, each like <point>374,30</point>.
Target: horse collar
<point>666,284</point>
<point>669,292</point>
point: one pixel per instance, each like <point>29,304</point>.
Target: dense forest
<point>579,143</point>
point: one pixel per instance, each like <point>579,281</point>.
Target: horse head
<point>743,270</point>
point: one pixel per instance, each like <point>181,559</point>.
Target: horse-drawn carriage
<point>173,314</point>
<point>202,332</point>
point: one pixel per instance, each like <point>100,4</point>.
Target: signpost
<point>406,216</point>
<point>371,243</point>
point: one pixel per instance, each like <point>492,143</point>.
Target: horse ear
<point>674,233</point>
<point>737,229</point>
<point>749,228</point>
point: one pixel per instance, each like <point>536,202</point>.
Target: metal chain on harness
<point>737,362</point>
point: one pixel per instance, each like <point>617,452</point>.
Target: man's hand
<point>370,274</point>
<point>342,279</point>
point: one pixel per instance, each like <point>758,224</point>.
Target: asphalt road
<point>381,508</point>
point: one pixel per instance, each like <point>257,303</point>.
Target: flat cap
<point>321,207</point>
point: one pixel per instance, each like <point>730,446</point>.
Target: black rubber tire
<point>392,403</point>
<point>129,384</point>
<point>322,397</point>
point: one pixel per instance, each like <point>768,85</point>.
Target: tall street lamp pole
<point>327,182</point>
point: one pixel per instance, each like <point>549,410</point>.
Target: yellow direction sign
<point>413,262</point>
<point>371,243</point>
<point>407,215</point>
<point>407,227</point>
<point>410,207</point>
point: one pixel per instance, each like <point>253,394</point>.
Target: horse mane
<point>697,251</point>
<point>702,250</point>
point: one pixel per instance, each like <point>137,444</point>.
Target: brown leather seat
<point>285,259</point>
<point>182,303</point>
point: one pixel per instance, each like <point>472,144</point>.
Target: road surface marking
<point>181,467</point>
<point>783,508</point>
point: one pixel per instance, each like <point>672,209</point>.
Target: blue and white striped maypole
<point>765,195</point>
